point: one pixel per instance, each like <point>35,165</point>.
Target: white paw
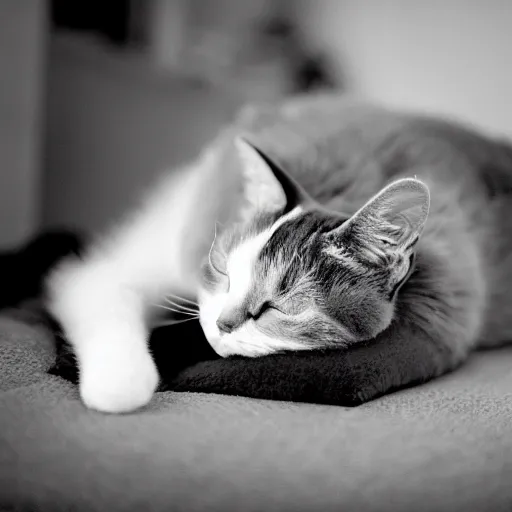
<point>105,323</point>
<point>118,382</point>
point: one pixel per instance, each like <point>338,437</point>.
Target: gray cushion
<point>446,445</point>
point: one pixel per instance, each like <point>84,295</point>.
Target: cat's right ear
<point>268,187</point>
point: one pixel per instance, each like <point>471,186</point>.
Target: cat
<point>316,224</point>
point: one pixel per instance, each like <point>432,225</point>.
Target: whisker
<point>183,299</point>
<point>166,323</point>
<point>194,315</point>
<point>181,306</point>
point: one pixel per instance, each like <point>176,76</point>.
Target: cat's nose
<point>225,325</point>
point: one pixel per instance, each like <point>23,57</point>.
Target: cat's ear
<point>386,229</point>
<point>268,187</point>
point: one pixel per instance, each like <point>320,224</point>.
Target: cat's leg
<point>104,319</point>
<point>103,299</point>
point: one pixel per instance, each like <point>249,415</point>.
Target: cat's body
<point>342,154</point>
<point>469,177</point>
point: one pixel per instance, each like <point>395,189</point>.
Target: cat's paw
<point>118,382</point>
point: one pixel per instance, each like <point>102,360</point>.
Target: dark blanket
<point>22,269</point>
<point>186,362</point>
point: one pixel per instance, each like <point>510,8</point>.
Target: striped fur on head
<point>294,276</point>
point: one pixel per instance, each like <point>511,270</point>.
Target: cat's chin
<point>249,341</point>
<point>226,348</point>
<point>234,344</point>
<point>217,345</point>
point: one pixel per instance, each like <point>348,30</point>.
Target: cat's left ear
<point>386,229</point>
<point>268,187</point>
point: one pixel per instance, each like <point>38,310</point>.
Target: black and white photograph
<point>255,256</point>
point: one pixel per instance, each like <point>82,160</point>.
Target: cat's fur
<point>333,232</point>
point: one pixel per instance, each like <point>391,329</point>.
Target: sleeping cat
<point>314,225</point>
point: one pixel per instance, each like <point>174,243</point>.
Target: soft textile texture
<point>443,446</point>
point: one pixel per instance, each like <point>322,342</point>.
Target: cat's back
<point>339,147</point>
<point>323,141</point>
<point>344,151</point>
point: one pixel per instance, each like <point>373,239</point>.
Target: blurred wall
<point>114,124</point>
<point>22,37</point>
<point>447,56</point>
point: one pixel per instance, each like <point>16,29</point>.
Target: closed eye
<point>264,308</point>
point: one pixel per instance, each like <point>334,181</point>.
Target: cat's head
<point>294,276</point>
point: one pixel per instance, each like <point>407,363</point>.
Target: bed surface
<point>443,446</point>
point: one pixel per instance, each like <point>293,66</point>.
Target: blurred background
<point>98,97</point>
